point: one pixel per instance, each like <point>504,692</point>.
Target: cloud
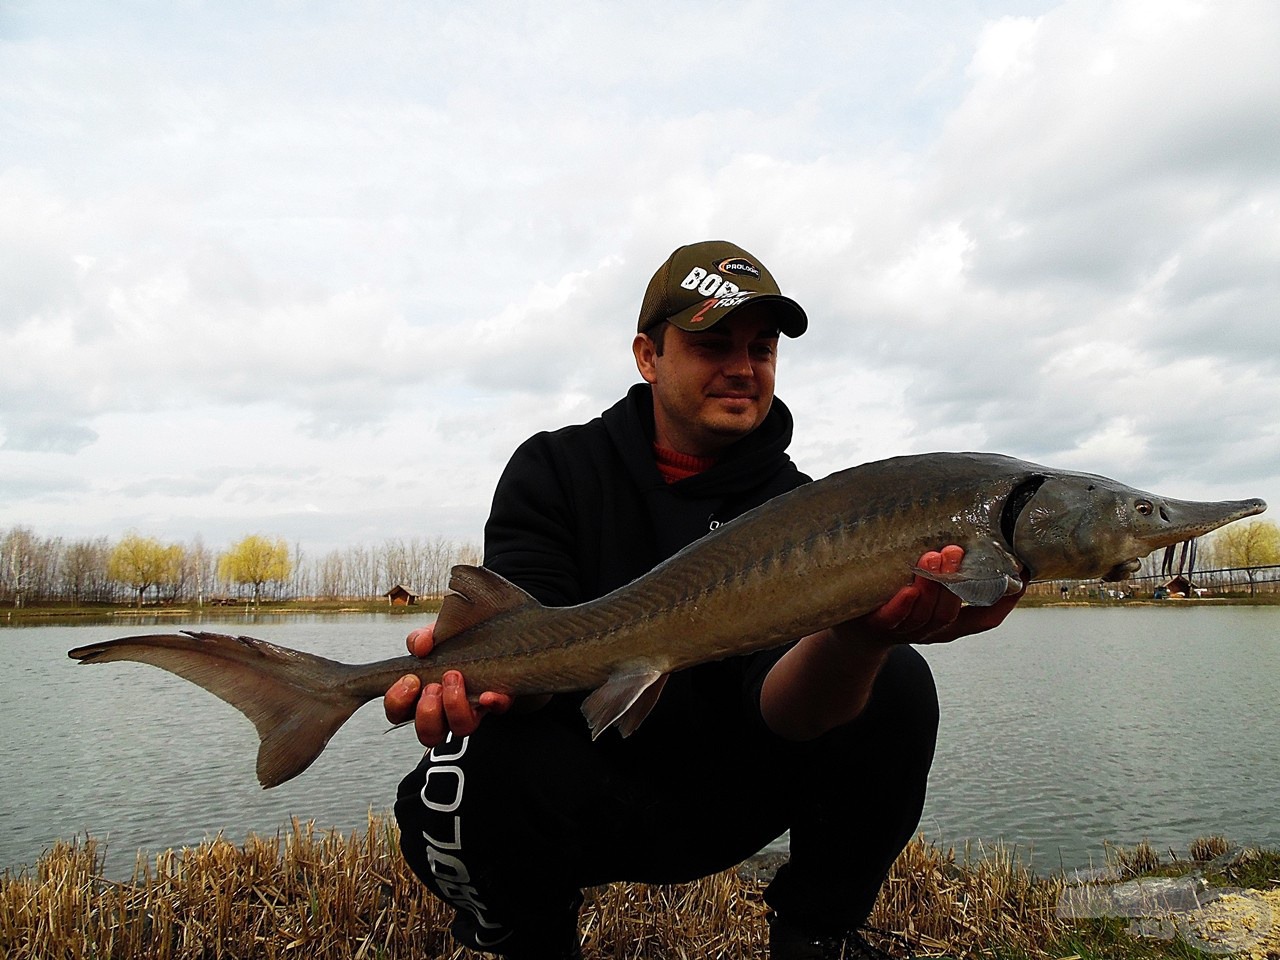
<point>46,434</point>
<point>258,261</point>
<point>23,490</point>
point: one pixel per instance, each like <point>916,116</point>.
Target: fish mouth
<point>1188,520</point>
<point>1122,571</point>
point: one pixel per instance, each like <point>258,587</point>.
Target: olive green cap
<point>702,283</point>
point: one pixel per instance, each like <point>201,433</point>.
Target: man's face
<point>714,386</point>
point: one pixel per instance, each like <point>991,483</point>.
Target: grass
<point>323,895</point>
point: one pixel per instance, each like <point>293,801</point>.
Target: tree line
<point>1248,548</point>
<point>137,569</point>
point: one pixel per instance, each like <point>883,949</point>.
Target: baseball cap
<point>702,283</point>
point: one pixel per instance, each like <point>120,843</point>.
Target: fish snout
<point>1161,522</point>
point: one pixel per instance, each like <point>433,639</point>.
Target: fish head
<point>1080,526</point>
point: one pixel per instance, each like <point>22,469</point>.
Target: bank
<point>70,614</point>
<point>328,895</point>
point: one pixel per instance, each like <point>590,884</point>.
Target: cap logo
<point>708,284</point>
<point>739,267</point>
<point>724,302</point>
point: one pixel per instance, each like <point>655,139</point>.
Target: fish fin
<point>980,591</point>
<point>635,714</point>
<point>476,594</point>
<point>290,696</point>
<point>625,699</point>
<point>987,573</point>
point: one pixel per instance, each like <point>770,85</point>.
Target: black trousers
<point>509,824</point>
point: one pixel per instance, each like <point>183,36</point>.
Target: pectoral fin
<point>625,699</point>
<point>981,592</point>
<point>986,574</point>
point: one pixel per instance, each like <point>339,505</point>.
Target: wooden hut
<point>398,596</point>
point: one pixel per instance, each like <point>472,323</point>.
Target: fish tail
<point>296,700</point>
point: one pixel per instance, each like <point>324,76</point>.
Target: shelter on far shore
<point>1179,586</point>
<point>398,596</point>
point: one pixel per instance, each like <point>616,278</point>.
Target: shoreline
<point>102,614</point>
<point>320,894</point>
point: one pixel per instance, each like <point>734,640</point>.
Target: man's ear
<point>646,353</point>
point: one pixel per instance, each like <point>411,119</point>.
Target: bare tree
<point>471,553</point>
<point>82,574</point>
<point>18,550</point>
<point>331,576</point>
<point>200,564</point>
<point>363,572</point>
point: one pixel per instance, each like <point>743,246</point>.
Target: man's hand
<point>438,709</point>
<point>925,611</point>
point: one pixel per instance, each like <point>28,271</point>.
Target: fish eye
<point>1144,507</point>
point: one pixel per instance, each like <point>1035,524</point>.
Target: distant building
<point>1179,586</point>
<point>398,596</point>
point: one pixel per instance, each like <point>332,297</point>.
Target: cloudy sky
<point>312,270</point>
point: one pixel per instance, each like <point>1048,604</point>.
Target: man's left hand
<point>925,611</point>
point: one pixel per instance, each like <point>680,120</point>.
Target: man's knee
<point>905,691</point>
<point>520,789</point>
<point>429,809</point>
<point>454,783</point>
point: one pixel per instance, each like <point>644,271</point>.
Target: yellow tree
<point>1248,547</point>
<point>144,562</point>
<point>256,560</point>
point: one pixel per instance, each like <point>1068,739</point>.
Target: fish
<point>822,554</point>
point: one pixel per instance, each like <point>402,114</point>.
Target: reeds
<point>302,894</point>
<point>313,894</point>
<point>984,903</point>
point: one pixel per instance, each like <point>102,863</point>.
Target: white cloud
<point>321,270</point>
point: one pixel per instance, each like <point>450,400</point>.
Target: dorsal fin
<point>476,594</point>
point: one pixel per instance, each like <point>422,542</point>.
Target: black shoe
<point>561,948</point>
<point>791,942</point>
<point>548,952</point>
<point>561,944</point>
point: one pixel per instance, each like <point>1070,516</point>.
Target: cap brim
<point>790,316</point>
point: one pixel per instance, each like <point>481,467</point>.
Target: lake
<point>1064,729</point>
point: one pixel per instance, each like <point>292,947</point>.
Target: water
<point>1069,728</point>
<point>1064,729</point>
<point>143,759</point>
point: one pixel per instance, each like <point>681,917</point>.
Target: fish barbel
<point>817,556</point>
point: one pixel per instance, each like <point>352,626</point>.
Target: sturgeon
<point>822,554</point>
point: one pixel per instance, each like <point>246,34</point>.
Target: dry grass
<point>989,904</point>
<point>1135,861</point>
<point>310,894</point>
<point>324,895</point>
<point>1208,848</point>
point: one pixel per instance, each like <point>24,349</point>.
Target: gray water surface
<point>131,754</point>
<point>1064,729</point>
<point>1069,728</point>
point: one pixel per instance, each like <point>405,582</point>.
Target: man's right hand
<point>438,709</point>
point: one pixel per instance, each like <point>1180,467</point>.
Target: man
<point>830,737</point>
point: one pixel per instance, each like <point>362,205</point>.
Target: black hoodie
<point>583,510</point>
